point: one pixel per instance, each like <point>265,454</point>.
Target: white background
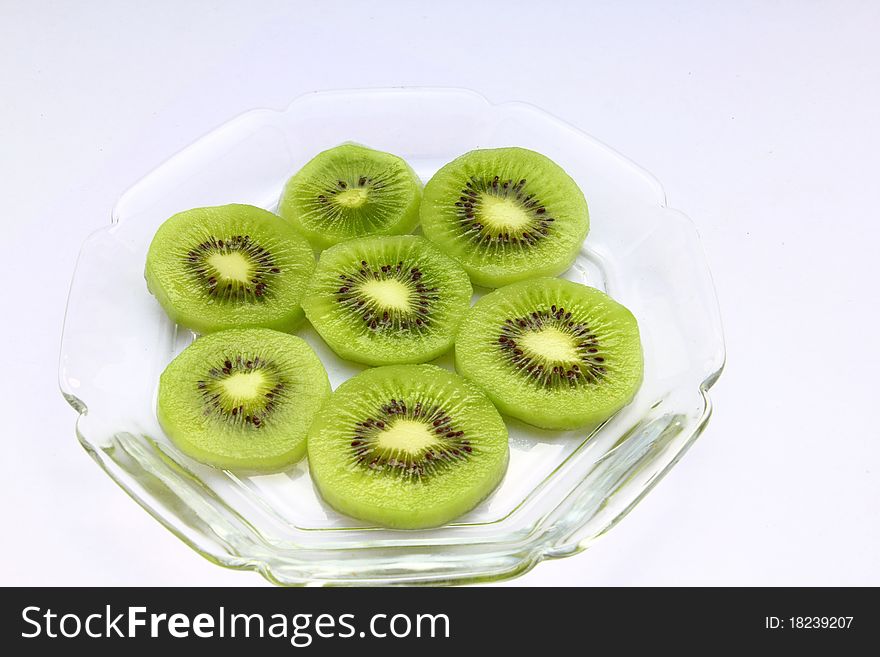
<point>760,118</point>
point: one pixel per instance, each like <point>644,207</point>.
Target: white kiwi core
<point>244,386</point>
<point>352,198</point>
<point>551,344</point>
<point>406,436</point>
<point>388,293</point>
<point>502,214</point>
<point>231,266</point>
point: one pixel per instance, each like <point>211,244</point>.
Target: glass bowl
<point>562,490</point>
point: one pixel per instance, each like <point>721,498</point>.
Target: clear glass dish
<point>563,489</point>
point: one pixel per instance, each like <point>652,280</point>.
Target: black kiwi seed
<point>256,411</point>
<point>262,264</point>
<point>469,205</point>
<point>589,369</point>
<point>451,445</point>
<point>376,317</point>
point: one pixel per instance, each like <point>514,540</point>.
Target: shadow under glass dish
<point>562,489</point>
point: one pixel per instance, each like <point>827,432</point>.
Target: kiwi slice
<point>407,446</point>
<point>506,214</point>
<point>352,191</point>
<point>243,398</point>
<point>553,353</point>
<point>387,300</point>
<point>229,266</point>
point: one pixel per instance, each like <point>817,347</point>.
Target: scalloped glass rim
<point>563,490</point>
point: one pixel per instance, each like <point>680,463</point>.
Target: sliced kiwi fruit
<point>552,353</point>
<point>387,300</point>
<point>407,446</point>
<point>243,398</point>
<point>229,266</point>
<point>352,191</point>
<point>506,214</point>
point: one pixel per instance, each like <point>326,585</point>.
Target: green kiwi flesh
<point>352,191</point>
<point>506,214</point>
<point>229,266</point>
<point>387,300</point>
<point>243,398</point>
<point>552,353</point>
<point>407,446</point>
